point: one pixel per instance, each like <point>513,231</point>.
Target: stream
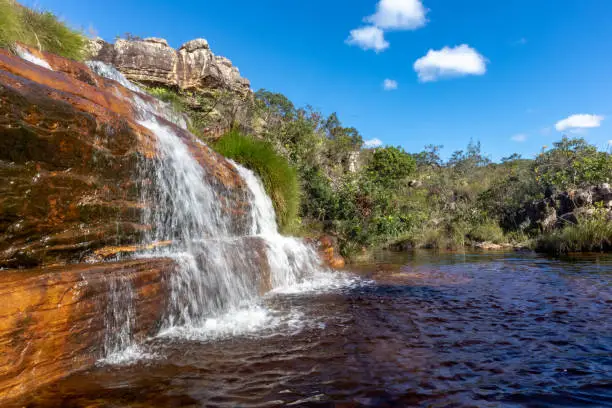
<point>409,329</point>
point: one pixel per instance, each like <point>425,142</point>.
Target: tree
<point>430,157</point>
<point>390,164</point>
<point>573,163</point>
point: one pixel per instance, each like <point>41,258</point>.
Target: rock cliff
<point>151,61</point>
<point>52,322</point>
<point>70,155</point>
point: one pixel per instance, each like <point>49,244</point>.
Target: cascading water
<point>217,289</point>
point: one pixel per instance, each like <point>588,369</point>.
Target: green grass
<point>39,29</point>
<point>488,231</point>
<point>279,178</point>
<point>168,95</point>
<point>10,23</point>
<point>592,233</point>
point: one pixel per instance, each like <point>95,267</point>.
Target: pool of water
<point>416,329</point>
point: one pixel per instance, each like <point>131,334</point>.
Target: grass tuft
<point>278,177</point>
<point>592,233</point>
<point>40,29</point>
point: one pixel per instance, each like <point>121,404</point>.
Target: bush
<point>40,29</point>
<point>278,177</point>
<point>167,95</point>
<point>488,231</point>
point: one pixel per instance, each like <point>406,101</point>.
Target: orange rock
<point>52,320</point>
<point>328,252</point>
<point>70,155</point>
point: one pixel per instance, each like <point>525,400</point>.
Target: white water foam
<point>222,261</point>
<point>26,55</point>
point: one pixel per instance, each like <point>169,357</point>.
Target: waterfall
<point>225,265</point>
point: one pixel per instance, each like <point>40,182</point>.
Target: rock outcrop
<point>71,153</point>
<point>151,61</point>
<point>560,209</point>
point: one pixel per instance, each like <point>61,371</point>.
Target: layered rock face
<point>71,160</point>
<point>52,322</point>
<point>152,61</point>
<point>73,165</point>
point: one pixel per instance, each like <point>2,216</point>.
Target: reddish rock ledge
<point>71,159</point>
<point>52,320</point>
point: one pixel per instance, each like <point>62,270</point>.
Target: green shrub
<point>278,177</point>
<point>592,233</point>
<point>40,29</point>
<point>167,95</point>
<point>488,231</point>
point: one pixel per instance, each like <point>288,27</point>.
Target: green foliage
<point>40,29</point>
<point>592,233</point>
<point>278,177</point>
<point>10,23</point>
<point>396,198</point>
<point>168,95</point>
<point>573,163</point>
<point>323,202</point>
<point>487,231</point>
<point>390,164</point>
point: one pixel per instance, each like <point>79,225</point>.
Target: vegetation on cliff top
<point>39,29</point>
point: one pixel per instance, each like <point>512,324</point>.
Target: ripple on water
<point>444,330</point>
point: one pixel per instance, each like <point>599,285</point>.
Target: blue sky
<point>507,73</point>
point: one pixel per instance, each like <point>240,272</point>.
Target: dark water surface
<point>430,330</point>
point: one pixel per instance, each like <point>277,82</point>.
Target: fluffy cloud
<point>521,137</point>
<point>389,84</point>
<point>450,62</point>
<point>372,143</point>
<point>581,121</point>
<point>368,38</point>
<point>399,15</point>
<point>390,15</point>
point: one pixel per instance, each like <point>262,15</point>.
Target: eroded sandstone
<point>53,321</point>
<point>71,159</point>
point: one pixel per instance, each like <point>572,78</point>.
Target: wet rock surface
<point>71,160</point>
<point>52,320</point>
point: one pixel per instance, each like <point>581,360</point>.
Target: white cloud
<point>368,38</point>
<point>580,121</point>
<point>521,137</point>
<point>450,62</point>
<point>610,142</point>
<point>399,15</point>
<point>389,84</point>
<point>372,143</point>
